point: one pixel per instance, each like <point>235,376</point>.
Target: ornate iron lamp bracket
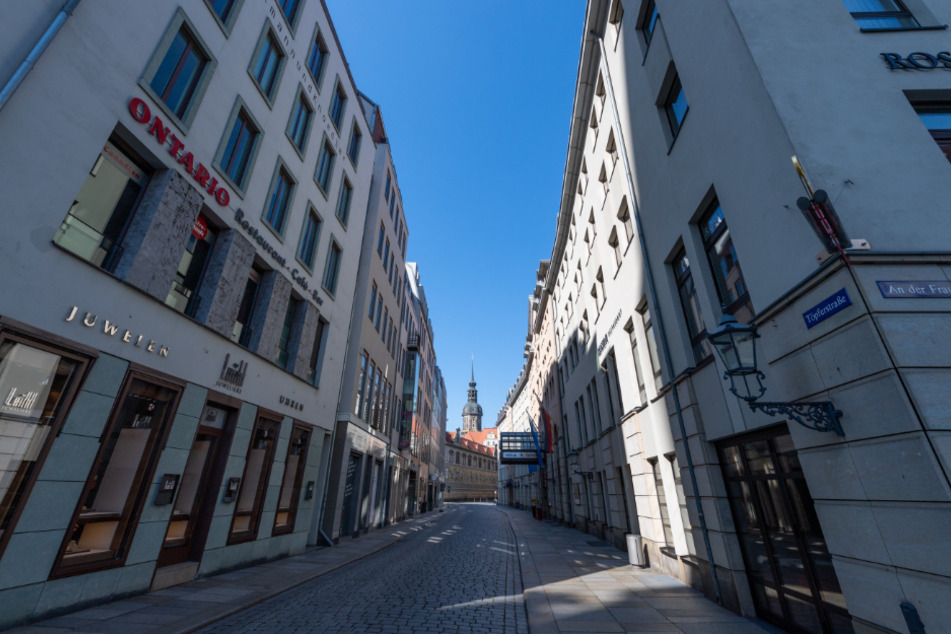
<point>817,415</point>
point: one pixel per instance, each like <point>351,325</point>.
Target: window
<point>317,59</point>
<point>279,199</point>
<point>595,404</point>
<point>267,64</point>
<point>298,128</point>
<point>624,215</point>
<point>649,22</point>
<point>325,167</point>
<point>675,106</point>
<point>257,472</point>
<point>284,357</point>
<point>178,76</point>
<point>368,402</point>
<point>292,480</point>
<point>317,353</point>
<point>332,270</point>
<point>392,204</point>
<point>343,201</point>
<point>225,11</point>
<point>379,240</point>
<point>38,384</point>
<point>241,333</point>
<point>353,147</point>
<point>611,149</point>
<point>373,293</point>
<point>386,252</point>
<point>118,484</point>
<point>379,313</point>
<point>386,189</point>
<point>183,295</point>
<point>615,245</point>
<point>361,382</point>
<point>386,318</point>
<point>641,389</point>
<point>338,104</point>
<point>239,148</point>
<point>880,14</point>
<point>679,487</point>
<point>97,220</point>
<point>290,9</point>
<point>937,119</point>
<point>691,307</point>
<point>651,345</point>
<point>662,502</point>
<point>309,237</point>
<point>724,264</point>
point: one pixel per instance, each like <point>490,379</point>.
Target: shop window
<point>724,264</point>
<point>103,524</point>
<point>99,216</point>
<point>257,471</point>
<point>877,15</point>
<point>696,329</point>
<point>291,482</point>
<point>178,74</point>
<point>183,295</point>
<point>37,384</point>
<point>937,119</point>
<point>241,333</point>
<point>267,64</point>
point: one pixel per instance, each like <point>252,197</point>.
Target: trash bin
<point>635,550</point>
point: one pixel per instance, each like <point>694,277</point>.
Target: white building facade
<point>185,188</point>
<point>680,196</point>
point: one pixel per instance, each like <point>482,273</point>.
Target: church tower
<point>472,412</point>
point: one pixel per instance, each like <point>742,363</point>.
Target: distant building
<point>472,470</point>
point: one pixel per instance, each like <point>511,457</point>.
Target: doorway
<point>788,563</point>
<point>194,504</point>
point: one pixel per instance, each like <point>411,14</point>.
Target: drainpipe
<point>41,45</point>
<point>665,347</point>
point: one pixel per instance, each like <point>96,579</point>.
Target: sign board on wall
<point>914,288</point>
<point>826,308</point>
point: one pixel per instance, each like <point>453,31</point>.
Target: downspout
<point>38,49</point>
<point>665,347</point>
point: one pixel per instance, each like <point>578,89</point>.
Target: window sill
<point>893,29</point>
<point>669,552</point>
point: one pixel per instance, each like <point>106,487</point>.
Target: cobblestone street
<point>459,574</point>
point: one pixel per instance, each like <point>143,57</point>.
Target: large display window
<point>293,479</point>
<point>257,471</point>
<point>37,384</point>
<point>104,522</point>
<point>96,221</point>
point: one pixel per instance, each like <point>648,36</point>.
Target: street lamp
<point>735,344</point>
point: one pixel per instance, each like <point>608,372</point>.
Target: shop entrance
<point>790,569</point>
<point>201,480</point>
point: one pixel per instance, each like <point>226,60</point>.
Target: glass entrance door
<point>187,528</point>
<point>790,569</point>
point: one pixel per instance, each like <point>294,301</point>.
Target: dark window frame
<point>271,424</point>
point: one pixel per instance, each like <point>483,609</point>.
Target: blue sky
<point>476,98</point>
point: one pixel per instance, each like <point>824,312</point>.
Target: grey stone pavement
<point>467,568</point>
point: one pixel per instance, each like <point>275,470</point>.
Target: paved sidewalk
<point>575,582</point>
<point>190,606</point>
